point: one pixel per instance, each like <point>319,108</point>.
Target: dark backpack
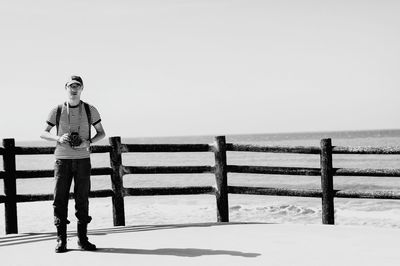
<point>87,109</point>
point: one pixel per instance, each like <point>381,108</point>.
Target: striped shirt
<point>78,123</point>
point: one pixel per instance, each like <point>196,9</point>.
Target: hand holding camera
<point>74,140</point>
<point>63,139</point>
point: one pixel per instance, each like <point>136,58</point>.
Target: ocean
<point>36,216</point>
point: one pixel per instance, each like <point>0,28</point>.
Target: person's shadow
<point>180,252</point>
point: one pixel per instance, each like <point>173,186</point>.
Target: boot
<point>83,241</point>
<point>61,238</point>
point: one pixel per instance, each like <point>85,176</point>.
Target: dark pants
<point>64,171</point>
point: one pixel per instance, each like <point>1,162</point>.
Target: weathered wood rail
<point>221,169</point>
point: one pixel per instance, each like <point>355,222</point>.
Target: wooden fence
<point>220,169</point>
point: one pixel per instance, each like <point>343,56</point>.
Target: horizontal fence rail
<point>366,172</point>
<point>275,191</point>
<point>166,147</point>
<point>50,150</point>
<point>42,197</point>
<point>367,194</point>
<point>220,148</point>
<point>167,169</point>
<point>152,191</point>
<point>50,173</point>
<point>274,170</point>
<point>313,193</point>
<point>365,150</point>
<point>272,149</point>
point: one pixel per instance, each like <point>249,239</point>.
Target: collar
<point>73,106</point>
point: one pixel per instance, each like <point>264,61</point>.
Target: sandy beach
<point>273,114</point>
<point>212,244</point>
<point>191,243</point>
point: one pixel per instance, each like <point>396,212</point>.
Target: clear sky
<point>191,67</point>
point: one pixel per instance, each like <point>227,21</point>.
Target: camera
<point>74,139</point>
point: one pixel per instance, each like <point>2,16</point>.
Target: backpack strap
<point>88,113</point>
<point>58,115</point>
<point>89,117</point>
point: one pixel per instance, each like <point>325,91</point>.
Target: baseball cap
<point>74,79</point>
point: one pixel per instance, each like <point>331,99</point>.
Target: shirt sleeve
<point>51,118</point>
<point>95,115</point>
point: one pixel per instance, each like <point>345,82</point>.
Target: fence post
<point>10,187</point>
<point>117,181</point>
<point>328,211</point>
<point>221,179</point>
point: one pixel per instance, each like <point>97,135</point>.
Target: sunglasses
<point>75,86</point>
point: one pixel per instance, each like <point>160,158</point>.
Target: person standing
<point>73,121</point>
